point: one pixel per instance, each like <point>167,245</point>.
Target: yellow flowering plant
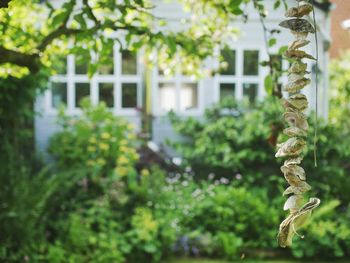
<point>102,142</point>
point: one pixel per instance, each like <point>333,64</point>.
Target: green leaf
<point>282,50</point>
<point>58,19</point>
<point>272,42</point>
<point>277,4</point>
<point>268,83</point>
<point>80,19</point>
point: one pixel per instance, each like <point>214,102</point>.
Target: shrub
<point>237,142</point>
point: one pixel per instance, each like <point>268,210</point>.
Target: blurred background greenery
<point>102,199</point>
<point>95,203</point>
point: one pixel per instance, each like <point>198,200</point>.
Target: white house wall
<point>208,92</point>
<point>251,37</point>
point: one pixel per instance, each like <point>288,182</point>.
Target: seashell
<point>297,67</point>
<point>294,169</point>
<point>295,77</point>
<point>298,25</point>
<point>312,204</point>
<point>298,101</point>
<point>295,221</point>
<point>293,161</point>
<point>296,119</point>
<point>300,35</point>
<point>299,43</point>
<point>293,87</point>
<point>292,147</point>
<point>293,203</point>
<point>294,131</point>
<point>298,190</point>
<point>299,11</point>
<point>293,180</point>
<point>298,54</point>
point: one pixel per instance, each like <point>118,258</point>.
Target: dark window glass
<point>106,94</point>
<point>250,91</point>
<point>129,63</point>
<point>59,94</point>
<point>82,90</point>
<point>129,95</point>
<point>188,96</point>
<point>251,62</point>
<point>227,90</point>
<point>81,65</point>
<point>60,65</point>
<point>277,61</point>
<point>229,57</point>
<point>107,65</point>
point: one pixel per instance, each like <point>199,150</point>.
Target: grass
<point>243,261</point>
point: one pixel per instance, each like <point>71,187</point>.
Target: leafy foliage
<point>340,90</point>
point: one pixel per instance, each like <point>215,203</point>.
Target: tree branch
<point>31,61</point>
<point>4,3</point>
<point>90,13</point>
<point>61,31</point>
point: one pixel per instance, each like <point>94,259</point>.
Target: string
<point>316,86</point>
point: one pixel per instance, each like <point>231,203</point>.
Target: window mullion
<point>178,81</point>
<point>239,74</point>
<point>117,60</point>
<point>70,84</point>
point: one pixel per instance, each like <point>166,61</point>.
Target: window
<point>59,94</point>
<point>117,83</point>
<point>60,65</point>
<point>251,62</point>
<point>129,95</point>
<point>179,93</point>
<point>81,67</point>
<point>188,96</point>
<point>107,67</point>
<point>82,90</point>
<point>105,94</point>
<point>229,57</point>
<point>129,65</point>
<point>227,90</point>
<point>167,95</point>
<point>277,61</point>
<point>250,91</point>
<point>241,78</point>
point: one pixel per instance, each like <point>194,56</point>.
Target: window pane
<point>81,66</point>
<point>251,62</point>
<point>227,90</point>
<point>82,90</point>
<point>105,94</point>
<point>277,62</point>
<point>250,91</point>
<point>129,63</point>
<point>60,65</point>
<point>107,68</point>
<point>167,94</point>
<point>59,94</point>
<point>229,57</point>
<point>129,95</point>
<point>188,96</point>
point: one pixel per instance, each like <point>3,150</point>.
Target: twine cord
<point>316,86</point>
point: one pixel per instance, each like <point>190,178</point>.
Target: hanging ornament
<point>294,106</point>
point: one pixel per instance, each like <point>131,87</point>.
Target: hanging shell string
<point>295,104</point>
<point>316,86</point>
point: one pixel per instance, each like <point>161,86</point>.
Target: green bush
<point>238,142</point>
<point>86,210</point>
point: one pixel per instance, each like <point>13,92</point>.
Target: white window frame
<point>239,78</point>
<point>117,79</point>
<point>177,79</point>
